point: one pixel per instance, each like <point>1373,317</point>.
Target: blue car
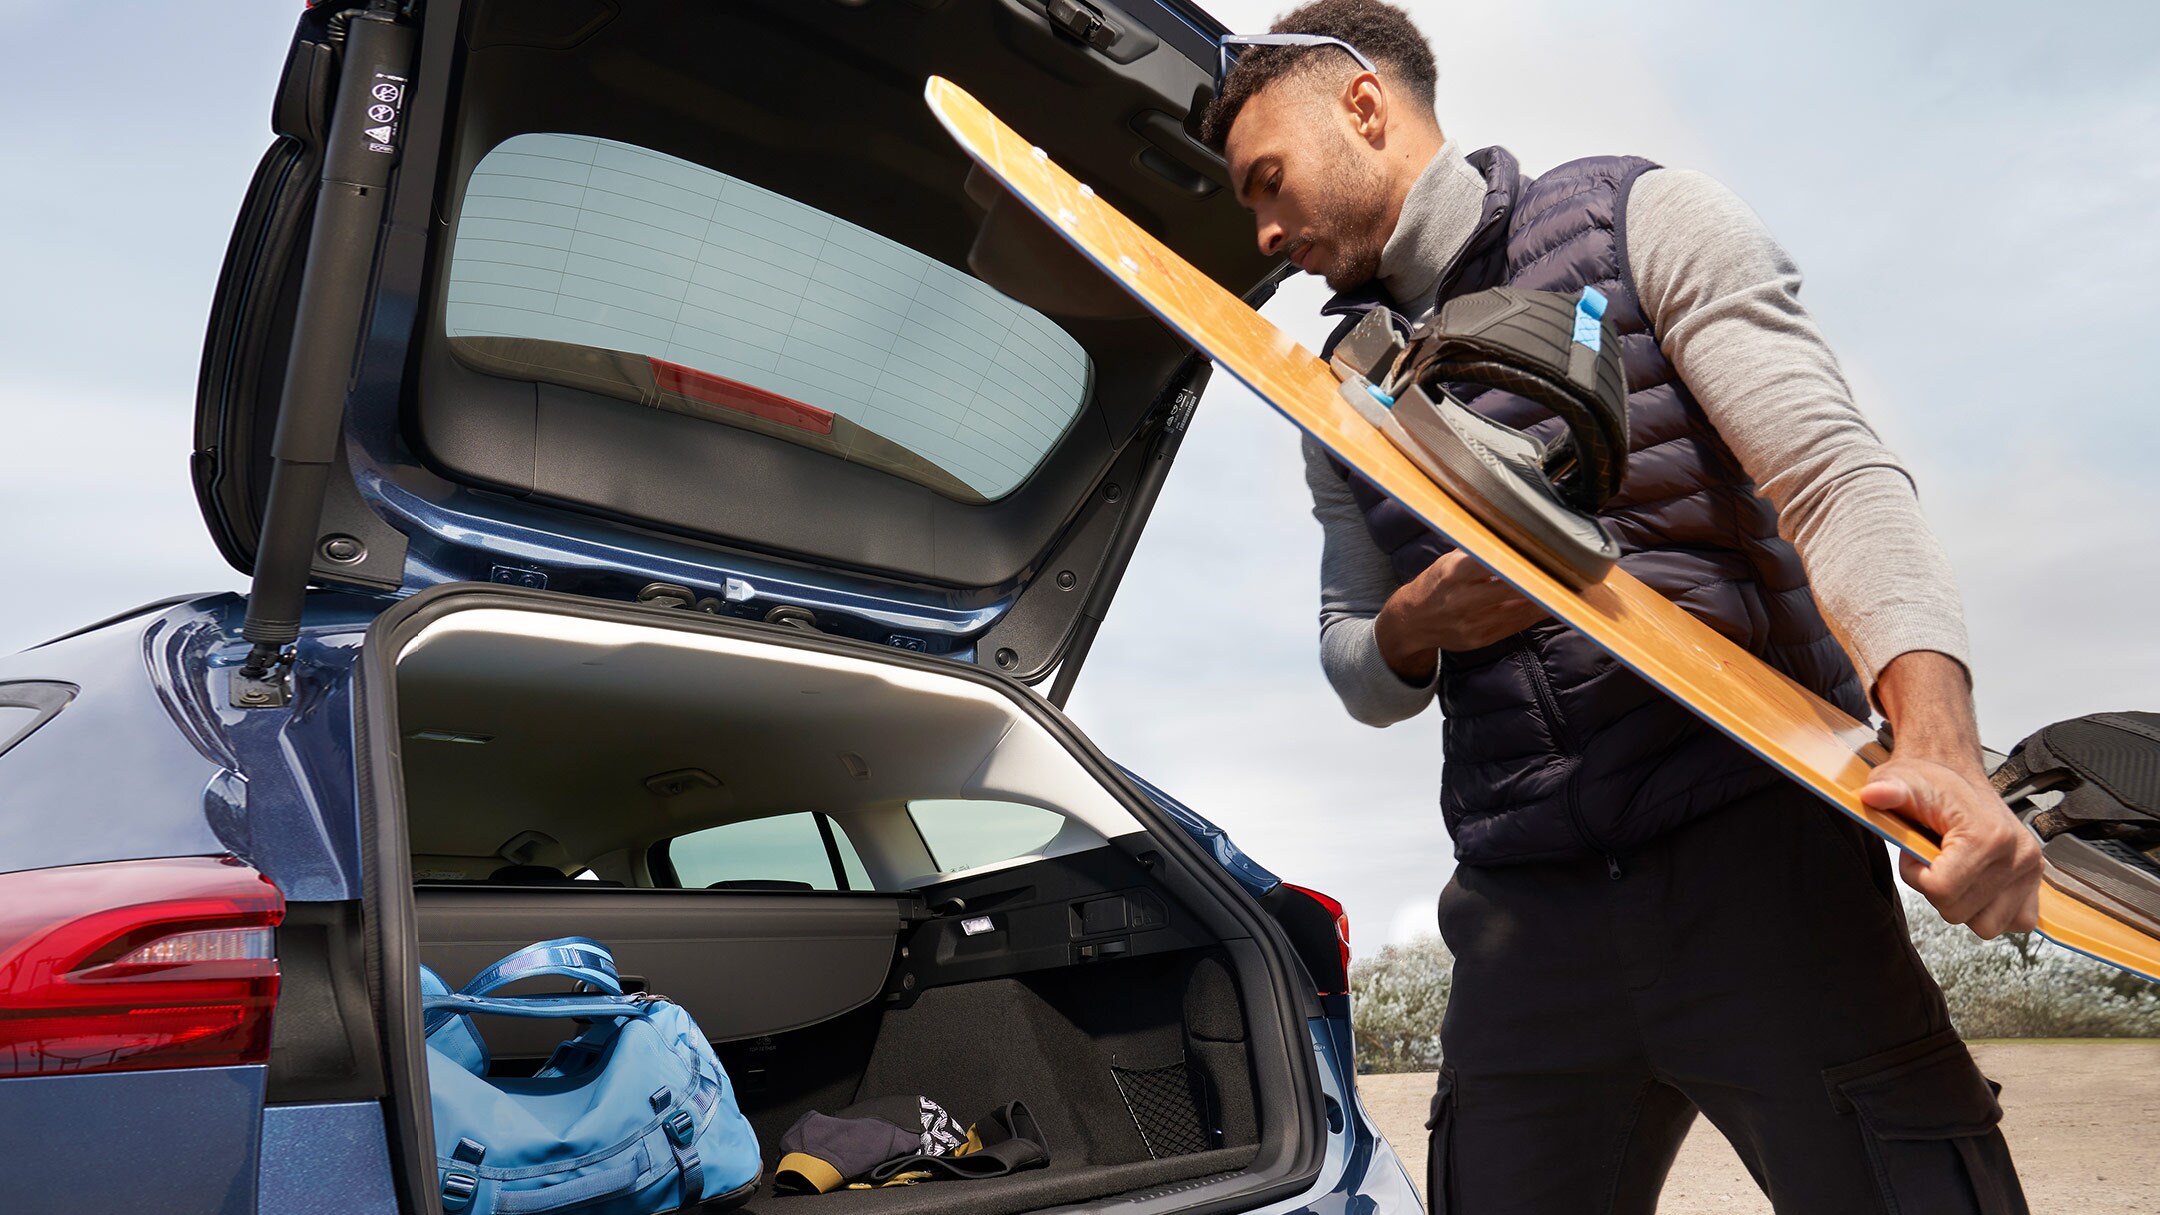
<point>678,492</point>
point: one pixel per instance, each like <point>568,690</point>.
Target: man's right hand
<point>1455,605</point>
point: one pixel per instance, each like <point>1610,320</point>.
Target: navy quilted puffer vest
<point>1552,749</point>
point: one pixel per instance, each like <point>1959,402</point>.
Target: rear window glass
<point>619,269</point>
<point>965,834</point>
<point>784,850</point>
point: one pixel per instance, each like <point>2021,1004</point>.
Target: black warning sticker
<point>385,106</point>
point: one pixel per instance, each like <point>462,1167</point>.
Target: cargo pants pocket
<point>1440,1147</point>
<point>1928,1119</point>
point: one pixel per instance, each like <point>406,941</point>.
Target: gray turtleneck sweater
<point>1724,301</point>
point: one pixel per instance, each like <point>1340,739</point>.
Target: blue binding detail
<point>1589,318</point>
<point>1380,396</point>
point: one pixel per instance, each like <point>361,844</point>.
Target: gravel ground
<point>2083,1120</point>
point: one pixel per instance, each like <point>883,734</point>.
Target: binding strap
<point>1005,1142</point>
<point>1550,348</point>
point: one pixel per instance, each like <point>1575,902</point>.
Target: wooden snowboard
<point>1810,740</point>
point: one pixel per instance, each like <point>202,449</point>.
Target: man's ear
<point>1366,103</point>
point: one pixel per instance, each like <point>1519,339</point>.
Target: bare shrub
<point>2019,986</point>
<point>1397,999</point>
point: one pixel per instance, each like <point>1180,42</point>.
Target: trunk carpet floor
<point>1032,1190</point>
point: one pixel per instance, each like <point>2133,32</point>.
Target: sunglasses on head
<point>1225,60</point>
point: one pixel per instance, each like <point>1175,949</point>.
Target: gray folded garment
<point>903,1140</point>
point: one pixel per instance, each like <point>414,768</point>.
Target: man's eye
<point>1274,184</point>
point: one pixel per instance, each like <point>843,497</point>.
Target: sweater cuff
<point>1886,638</point>
<point>1370,689</point>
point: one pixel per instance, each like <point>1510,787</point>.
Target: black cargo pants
<point>1753,966</point>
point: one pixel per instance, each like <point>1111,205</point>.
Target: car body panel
<point>328,1157</point>
<point>110,777</point>
<point>186,1139</point>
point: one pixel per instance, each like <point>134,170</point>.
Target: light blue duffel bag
<point>632,1116</point>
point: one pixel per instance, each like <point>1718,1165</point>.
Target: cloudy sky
<point>1971,188</point>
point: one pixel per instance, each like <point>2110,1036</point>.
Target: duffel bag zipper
<point>1550,705</point>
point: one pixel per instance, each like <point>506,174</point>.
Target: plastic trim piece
<point>44,697</point>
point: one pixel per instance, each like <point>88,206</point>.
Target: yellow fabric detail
<point>909,1178</point>
<point>820,1176</point>
<point>974,1144</point>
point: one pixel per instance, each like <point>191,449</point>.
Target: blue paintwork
<point>326,1159</point>
<point>1249,872</point>
<point>150,760</point>
<point>135,1142</point>
<point>464,535</point>
<point>109,778</point>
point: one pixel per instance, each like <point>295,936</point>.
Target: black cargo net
<point>1163,1105</point>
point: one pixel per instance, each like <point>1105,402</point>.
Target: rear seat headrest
<point>760,884</point>
<point>530,875</point>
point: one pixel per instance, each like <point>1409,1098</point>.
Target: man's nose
<point>1271,237</point>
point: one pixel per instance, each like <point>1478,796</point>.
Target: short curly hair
<point>1383,33</point>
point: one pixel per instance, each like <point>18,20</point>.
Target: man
<point>1647,920</point>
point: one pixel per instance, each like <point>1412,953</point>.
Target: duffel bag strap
<point>614,1181</point>
<point>449,1034</point>
<point>681,1131</point>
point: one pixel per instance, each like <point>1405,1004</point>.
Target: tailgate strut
<point>365,128</point>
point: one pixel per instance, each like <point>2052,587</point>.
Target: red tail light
<point>133,965</point>
<point>1342,923</point>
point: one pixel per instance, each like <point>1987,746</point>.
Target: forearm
<point>1928,699</point>
<point>1356,581</point>
<point>1411,657</point>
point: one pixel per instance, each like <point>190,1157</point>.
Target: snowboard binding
<point>1555,350</point>
<point>2090,789</point>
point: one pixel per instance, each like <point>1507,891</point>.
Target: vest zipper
<point>1551,708</point>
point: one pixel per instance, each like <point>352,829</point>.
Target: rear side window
<point>965,834</point>
<point>619,269</point>
<point>785,851</point>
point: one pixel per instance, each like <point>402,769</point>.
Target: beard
<point>1354,204</point>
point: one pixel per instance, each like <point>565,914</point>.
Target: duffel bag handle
<point>580,958</point>
<point>456,1004</point>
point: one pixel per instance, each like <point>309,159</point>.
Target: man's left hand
<point>1988,876</point>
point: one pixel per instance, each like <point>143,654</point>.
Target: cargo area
<point>863,879</point>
